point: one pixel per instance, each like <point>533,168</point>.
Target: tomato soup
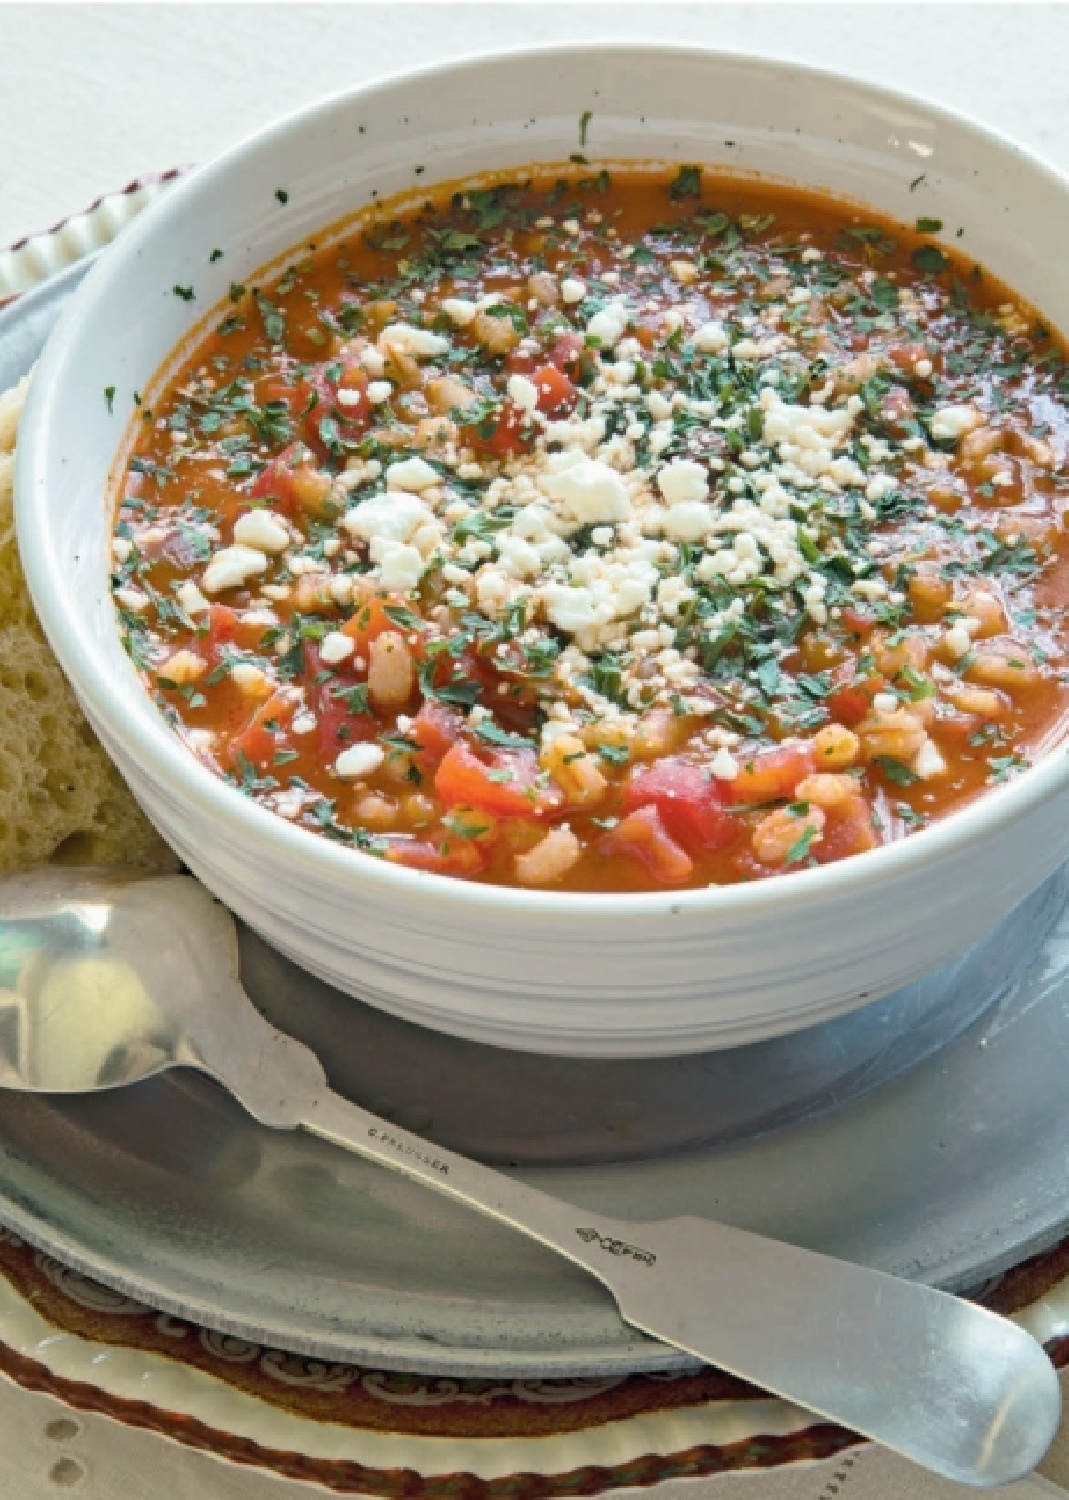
<point>608,531</point>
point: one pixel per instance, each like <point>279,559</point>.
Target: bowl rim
<point>161,755</point>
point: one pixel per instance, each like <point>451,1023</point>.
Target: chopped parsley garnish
<point>776,514</point>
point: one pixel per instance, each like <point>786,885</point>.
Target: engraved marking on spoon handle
<point>555,1223</point>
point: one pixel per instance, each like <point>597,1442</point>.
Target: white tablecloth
<point>92,96</point>
<point>47,1451</point>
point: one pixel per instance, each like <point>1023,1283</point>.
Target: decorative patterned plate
<point>360,1430</point>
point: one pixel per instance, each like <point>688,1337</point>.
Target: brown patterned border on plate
<point>150,179</point>
<point>43,243</point>
<point>350,1395</point>
<point>346,1476</point>
<point>424,1405</point>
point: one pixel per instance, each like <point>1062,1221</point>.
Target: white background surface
<point>94,95</point>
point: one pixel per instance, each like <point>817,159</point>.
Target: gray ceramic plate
<point>926,1134</point>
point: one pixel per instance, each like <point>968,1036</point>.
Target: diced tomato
<point>524,359</point>
<point>292,483</point>
<point>275,387</point>
<point>511,431</point>
<point>897,410</point>
<point>849,705</point>
<point>644,837</point>
<point>556,393</point>
<point>769,775</point>
<point>905,357</point>
<point>689,802</point>
<point>847,830</point>
<point>471,666</point>
<point>352,417</point>
<point>263,735</point>
<point>745,865</point>
<point>857,623</point>
<point>337,725</point>
<point>851,698</point>
<point>567,355</point>
<point>370,620</point>
<point>453,856</point>
<point>226,628</point>
<point>507,785</point>
<point>436,728</point>
<point>956,729</point>
<point>223,625</point>
<point>572,357</point>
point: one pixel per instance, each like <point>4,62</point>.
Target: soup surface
<point>609,532</point>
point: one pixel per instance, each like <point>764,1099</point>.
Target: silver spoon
<point>112,978</point>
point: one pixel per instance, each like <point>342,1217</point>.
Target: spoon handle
<point>956,1388</point>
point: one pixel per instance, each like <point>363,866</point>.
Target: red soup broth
<point>609,532</point>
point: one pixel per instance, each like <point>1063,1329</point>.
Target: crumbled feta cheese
<point>878,487</point>
<point>572,289</point>
<point>688,521</point>
<point>378,391</point>
<point>261,530</point>
<point>928,763</point>
<point>588,490</point>
<point>232,567</point>
<point>518,557</point>
<point>958,641</point>
<point>191,599</point>
<point>523,392</point>
<point>250,679</point>
<point>411,474</point>
<point>609,324</point>
<point>459,310</point>
<point>570,609</point>
<point>392,517</point>
<point>952,422</point>
<point>846,472</point>
<point>359,761</point>
<point>711,338</point>
<point>400,567</point>
<point>336,647</point>
<point>132,599</point>
<point>373,361</point>
<point>724,766</point>
<point>682,480</point>
<point>419,342</point>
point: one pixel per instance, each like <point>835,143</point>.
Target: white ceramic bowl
<point>616,975</point>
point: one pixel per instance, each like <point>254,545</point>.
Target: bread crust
<point>61,798</point>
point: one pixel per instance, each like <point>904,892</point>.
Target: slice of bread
<point>61,799</point>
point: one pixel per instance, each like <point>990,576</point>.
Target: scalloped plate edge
<point>34,258</point>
